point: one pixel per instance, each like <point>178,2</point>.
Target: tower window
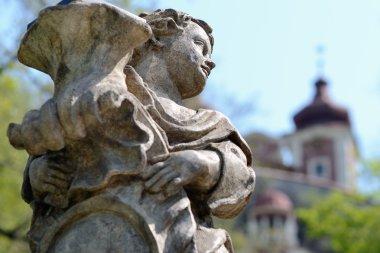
<point>319,170</point>
<point>319,167</point>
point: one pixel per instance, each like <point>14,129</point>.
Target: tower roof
<point>272,201</point>
<point>321,110</point>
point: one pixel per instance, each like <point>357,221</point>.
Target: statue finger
<point>61,169</point>
<point>56,173</point>
<point>163,181</point>
<point>173,187</point>
<point>156,177</point>
<point>152,170</point>
<point>61,185</point>
<point>176,182</point>
<point>49,188</point>
<point>59,162</point>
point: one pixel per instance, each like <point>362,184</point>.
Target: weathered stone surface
<point>117,164</point>
<point>84,55</point>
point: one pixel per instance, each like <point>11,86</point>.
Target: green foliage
<point>15,213</point>
<point>370,173</point>
<point>374,167</point>
<point>350,222</point>
<point>239,239</point>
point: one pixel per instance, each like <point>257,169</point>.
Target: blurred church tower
<point>323,146</point>
<point>318,157</point>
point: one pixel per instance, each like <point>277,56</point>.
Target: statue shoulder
<point>175,110</point>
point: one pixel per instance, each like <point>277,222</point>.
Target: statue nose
<point>210,64</point>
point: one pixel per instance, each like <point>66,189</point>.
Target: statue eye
<point>199,43</point>
<point>202,46</point>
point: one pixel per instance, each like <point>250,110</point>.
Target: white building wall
<point>344,149</point>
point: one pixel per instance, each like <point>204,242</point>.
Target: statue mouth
<point>206,70</point>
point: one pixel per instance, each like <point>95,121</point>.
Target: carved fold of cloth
<point>179,223</point>
<point>169,127</point>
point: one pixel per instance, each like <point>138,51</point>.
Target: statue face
<point>188,60</point>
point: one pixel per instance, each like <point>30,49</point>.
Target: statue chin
<point>192,90</point>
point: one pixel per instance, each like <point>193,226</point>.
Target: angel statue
<point>117,164</point>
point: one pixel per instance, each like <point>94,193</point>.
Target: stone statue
<point>116,163</point>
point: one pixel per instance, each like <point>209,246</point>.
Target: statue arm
<point>195,170</point>
<point>236,183</point>
<point>218,176</point>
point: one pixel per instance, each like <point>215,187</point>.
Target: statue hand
<point>196,170</point>
<point>49,174</point>
<point>39,131</point>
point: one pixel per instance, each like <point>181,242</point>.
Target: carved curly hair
<point>166,23</point>
<point>161,20</point>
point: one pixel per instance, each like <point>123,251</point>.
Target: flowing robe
<point>143,129</point>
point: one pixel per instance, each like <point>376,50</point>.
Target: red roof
<point>273,201</point>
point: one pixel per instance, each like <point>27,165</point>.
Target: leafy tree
<point>350,222</point>
<point>15,214</point>
<point>369,174</point>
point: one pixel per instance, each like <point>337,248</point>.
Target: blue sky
<point>266,56</point>
<point>266,53</point>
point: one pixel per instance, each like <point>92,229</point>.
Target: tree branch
<point>14,234</point>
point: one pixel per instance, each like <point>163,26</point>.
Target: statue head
<point>184,44</point>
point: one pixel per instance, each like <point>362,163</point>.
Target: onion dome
<point>321,110</point>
